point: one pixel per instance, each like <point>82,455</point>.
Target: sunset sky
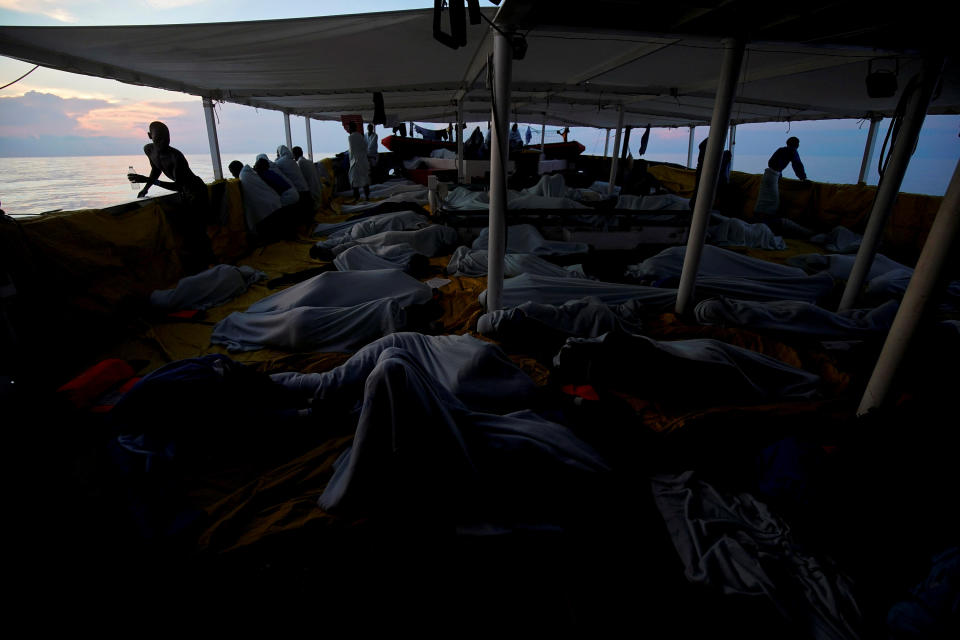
<point>52,113</point>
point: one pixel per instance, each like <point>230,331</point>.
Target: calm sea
<point>29,186</point>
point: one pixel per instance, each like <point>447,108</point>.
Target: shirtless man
<point>189,219</point>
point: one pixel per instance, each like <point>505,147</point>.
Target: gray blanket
<point>801,318</point>
<point>207,289</point>
<point>478,373</point>
<point>735,543</point>
<point>364,257</point>
<point>473,262</point>
<point>714,261</point>
<point>525,238</point>
<point>419,449</point>
<point>347,289</point>
<point>326,329</point>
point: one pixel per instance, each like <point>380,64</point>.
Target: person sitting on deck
<point>768,197</point>
<point>189,220</point>
<point>721,195</point>
<point>235,168</point>
<point>271,203</point>
<point>473,147</point>
<point>639,182</point>
<point>310,174</point>
<point>515,142</point>
<point>359,167</point>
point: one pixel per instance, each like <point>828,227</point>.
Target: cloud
<point>124,120</point>
<point>53,10</point>
<point>172,4</point>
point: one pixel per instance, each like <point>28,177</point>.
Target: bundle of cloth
<point>525,238</point>
<point>420,451</point>
<point>288,166</point>
<point>474,262</point>
<point>207,289</point>
<point>463,199</point>
<point>334,311</point>
<point>699,372</point>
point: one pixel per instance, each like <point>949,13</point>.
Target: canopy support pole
<point>212,137</point>
<point>499,146</point>
<point>726,92</point>
<point>868,150</point>
<point>309,139</point>
<point>286,129</point>
<point>934,257</point>
<point>606,145</point>
<point>616,151</point>
<point>543,135</point>
<point>461,174</point>
<point>891,180</point>
<point>690,150</point>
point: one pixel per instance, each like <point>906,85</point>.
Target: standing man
<point>373,146</point>
<point>768,198</point>
<point>359,166</point>
<point>189,220</point>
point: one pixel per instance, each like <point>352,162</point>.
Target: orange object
<point>84,390</point>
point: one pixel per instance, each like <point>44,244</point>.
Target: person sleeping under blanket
<point>421,455</point>
<point>698,373</point>
<point>431,241</point>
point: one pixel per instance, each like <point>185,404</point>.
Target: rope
<point>20,78</point>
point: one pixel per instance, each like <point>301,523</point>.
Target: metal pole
<point>868,150</point>
<point>212,137</point>
<point>616,151</point>
<point>461,174</point>
<point>286,129</point>
<point>729,70</point>
<point>502,61</point>
<point>606,144</point>
<point>891,180</point>
<point>733,142</point>
<point>690,150</point>
<point>543,135</point>
<point>309,139</point>
<point>933,258</point>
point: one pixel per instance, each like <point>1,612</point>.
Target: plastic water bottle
<point>133,185</point>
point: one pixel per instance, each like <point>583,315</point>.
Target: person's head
<point>352,127</point>
<point>369,128</point>
<point>262,163</point>
<point>235,168</point>
<point>514,126</point>
<point>159,134</point>
<point>297,153</point>
<point>793,142</point>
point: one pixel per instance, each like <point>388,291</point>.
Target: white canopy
<point>577,69</point>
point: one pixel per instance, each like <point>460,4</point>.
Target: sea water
<point>29,186</point>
